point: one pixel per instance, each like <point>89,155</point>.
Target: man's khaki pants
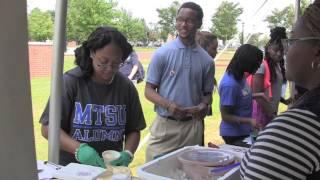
<point>167,135</point>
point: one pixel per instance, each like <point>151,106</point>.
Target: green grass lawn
<point>144,49</point>
<point>41,89</point>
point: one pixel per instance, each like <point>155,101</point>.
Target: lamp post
<point>242,34</point>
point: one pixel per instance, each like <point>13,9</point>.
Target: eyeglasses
<point>104,66</point>
<point>188,21</point>
<point>286,43</point>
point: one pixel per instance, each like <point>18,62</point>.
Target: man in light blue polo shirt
<point>180,84</point>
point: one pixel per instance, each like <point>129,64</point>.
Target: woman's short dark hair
<point>195,7</point>
<point>99,38</point>
<point>247,58</point>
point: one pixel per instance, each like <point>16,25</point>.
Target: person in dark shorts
<point>132,68</point>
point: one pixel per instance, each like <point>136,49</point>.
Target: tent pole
<point>56,80</point>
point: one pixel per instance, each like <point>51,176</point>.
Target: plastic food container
<point>168,167</point>
<point>110,155</point>
<point>206,162</point>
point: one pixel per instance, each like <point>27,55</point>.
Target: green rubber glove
<point>87,155</point>
<point>124,159</point>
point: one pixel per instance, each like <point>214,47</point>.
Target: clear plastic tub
<point>168,167</point>
<point>206,163</point>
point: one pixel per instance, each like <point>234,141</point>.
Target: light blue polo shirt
<point>183,74</point>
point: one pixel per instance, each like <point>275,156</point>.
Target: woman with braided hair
<point>267,82</point>
<point>289,146</point>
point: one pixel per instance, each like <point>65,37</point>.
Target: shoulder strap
<point>249,80</point>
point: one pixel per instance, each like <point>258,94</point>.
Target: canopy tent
<point>17,137</point>
<point>56,84</point>
<point>17,152</point>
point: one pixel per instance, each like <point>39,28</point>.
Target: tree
<point>167,20</point>
<point>285,16</point>
<point>40,25</point>
<point>133,28</point>
<point>225,20</point>
<point>86,15</point>
<point>153,32</point>
<point>258,39</point>
<point>254,39</point>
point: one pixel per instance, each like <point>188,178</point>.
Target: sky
<point>253,20</point>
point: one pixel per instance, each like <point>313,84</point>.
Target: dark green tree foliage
<point>224,21</point>
<point>86,15</point>
<point>40,25</point>
<point>167,20</point>
<point>284,17</point>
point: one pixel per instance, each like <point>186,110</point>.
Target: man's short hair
<point>195,7</point>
